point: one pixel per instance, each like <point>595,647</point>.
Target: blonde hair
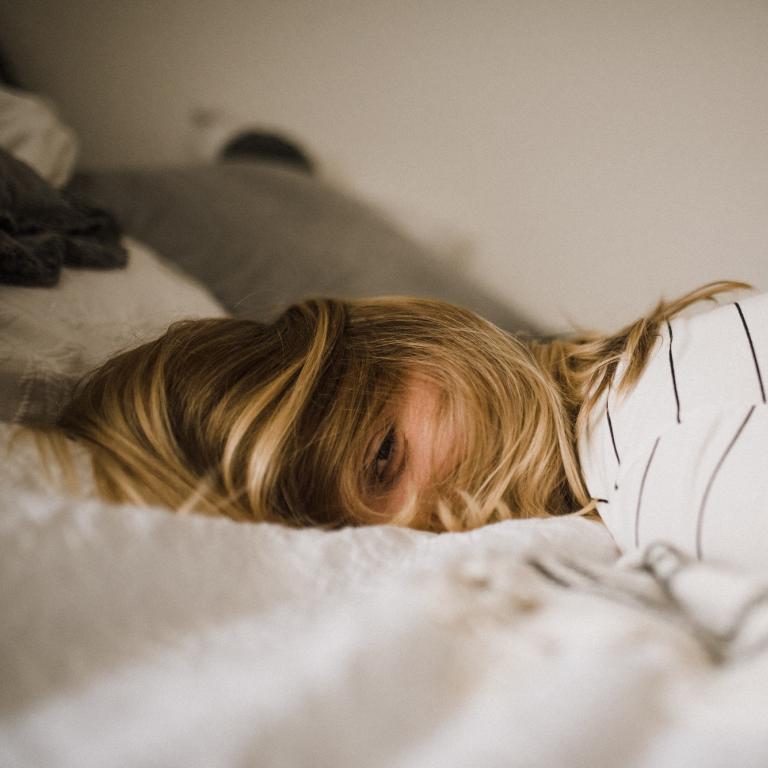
<point>273,422</point>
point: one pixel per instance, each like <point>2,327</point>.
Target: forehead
<point>420,394</point>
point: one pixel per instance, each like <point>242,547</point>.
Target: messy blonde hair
<point>273,422</point>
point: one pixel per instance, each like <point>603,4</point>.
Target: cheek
<point>388,507</point>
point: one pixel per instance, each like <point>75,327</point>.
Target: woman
<point>392,410</point>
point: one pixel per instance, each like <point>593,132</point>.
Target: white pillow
<point>680,457</point>
<point>50,337</point>
<point>30,129</point>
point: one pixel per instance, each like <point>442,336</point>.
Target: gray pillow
<point>261,235</point>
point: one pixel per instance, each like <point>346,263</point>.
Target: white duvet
<point>132,637</point>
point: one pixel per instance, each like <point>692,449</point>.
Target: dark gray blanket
<point>42,229</point>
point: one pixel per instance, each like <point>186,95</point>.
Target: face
<point>408,454</point>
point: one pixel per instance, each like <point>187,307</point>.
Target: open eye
<point>384,455</point>
<point>388,459</point>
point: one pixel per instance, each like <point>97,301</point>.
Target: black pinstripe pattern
<point>610,426</point>
<point>672,371</point>
<point>700,521</point>
<point>752,348</point>
<point>613,437</point>
<point>640,493</point>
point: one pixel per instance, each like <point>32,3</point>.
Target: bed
<point>133,636</point>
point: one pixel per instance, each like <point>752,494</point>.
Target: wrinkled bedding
<point>133,637</point>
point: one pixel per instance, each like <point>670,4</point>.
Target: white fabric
<point>31,130</point>
<point>703,486</point>
<point>135,637</point>
<point>23,466</point>
<point>49,337</point>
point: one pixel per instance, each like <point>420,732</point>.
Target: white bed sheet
<point>132,637</point>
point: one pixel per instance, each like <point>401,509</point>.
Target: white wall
<point>586,156</point>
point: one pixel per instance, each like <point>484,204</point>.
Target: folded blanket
<point>42,229</point>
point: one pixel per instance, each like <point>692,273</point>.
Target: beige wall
<point>583,156</point>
